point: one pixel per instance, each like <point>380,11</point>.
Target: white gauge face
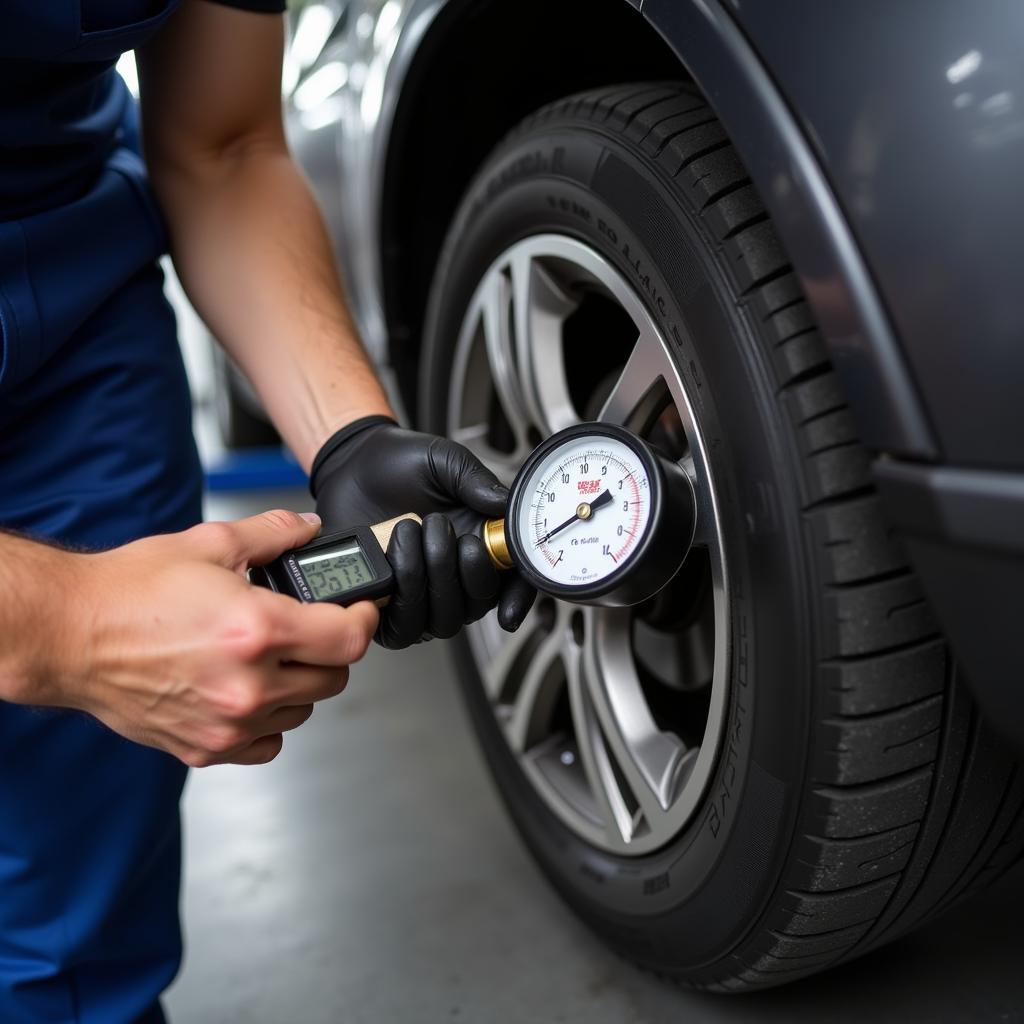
<point>585,509</point>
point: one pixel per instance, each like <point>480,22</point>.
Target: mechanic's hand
<point>176,650</point>
<point>373,470</point>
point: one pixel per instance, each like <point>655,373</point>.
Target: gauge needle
<point>583,511</point>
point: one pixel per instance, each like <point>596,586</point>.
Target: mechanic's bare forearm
<point>249,244</point>
<point>39,589</point>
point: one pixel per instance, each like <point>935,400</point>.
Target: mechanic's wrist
<point>328,426</point>
<point>45,664</point>
<point>340,438</point>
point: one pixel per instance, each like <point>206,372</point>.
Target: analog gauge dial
<point>584,510</point>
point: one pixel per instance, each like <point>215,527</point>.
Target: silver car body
<point>344,70</point>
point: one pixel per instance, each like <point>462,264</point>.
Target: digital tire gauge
<point>595,516</point>
<point>342,567</point>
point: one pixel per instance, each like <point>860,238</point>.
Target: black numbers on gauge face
<point>597,542</point>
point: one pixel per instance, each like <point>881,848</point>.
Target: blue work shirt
<point>95,450</point>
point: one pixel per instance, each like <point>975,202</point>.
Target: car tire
<point>855,790</point>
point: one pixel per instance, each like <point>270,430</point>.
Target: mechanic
<point>113,602</point>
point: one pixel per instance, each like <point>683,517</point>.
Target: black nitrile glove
<point>373,470</point>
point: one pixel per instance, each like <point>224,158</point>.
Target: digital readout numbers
<point>334,572</point>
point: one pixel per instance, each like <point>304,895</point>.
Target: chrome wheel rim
<point>616,723</point>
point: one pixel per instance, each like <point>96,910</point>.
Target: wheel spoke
<point>525,721</point>
<point>539,308</point>
<point>612,808</point>
<point>501,654</point>
<point>495,296</point>
<point>485,344</point>
<point>648,759</point>
<point>640,388</point>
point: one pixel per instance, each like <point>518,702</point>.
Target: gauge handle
<point>493,537</point>
<point>496,544</point>
<point>383,531</point>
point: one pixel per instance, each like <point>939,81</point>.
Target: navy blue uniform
<point>95,450</point>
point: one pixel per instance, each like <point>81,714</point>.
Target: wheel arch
<point>464,90</point>
<point>466,87</point>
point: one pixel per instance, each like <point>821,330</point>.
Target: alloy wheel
<point>614,715</point>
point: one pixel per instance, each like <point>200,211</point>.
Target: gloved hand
<point>373,470</point>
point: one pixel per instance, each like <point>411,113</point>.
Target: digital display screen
<point>330,573</point>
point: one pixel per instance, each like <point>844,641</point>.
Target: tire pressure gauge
<point>595,516</point>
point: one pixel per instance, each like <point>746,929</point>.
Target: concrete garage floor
<point>370,875</point>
